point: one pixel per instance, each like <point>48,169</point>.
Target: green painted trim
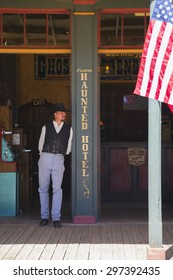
<point>68,4</point>
<point>123,4</point>
<point>154,171</point>
<point>37,4</point>
<point>154,174</point>
<point>85,162</point>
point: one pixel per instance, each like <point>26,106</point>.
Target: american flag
<point>155,76</point>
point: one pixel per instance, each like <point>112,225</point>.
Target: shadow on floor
<point>110,212</point>
<point>132,212</point>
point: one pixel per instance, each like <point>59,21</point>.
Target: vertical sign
<point>85,140</point>
<point>84,92</point>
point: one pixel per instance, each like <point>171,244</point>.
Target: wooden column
<point>85,119</point>
<point>155,250</point>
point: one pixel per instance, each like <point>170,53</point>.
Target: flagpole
<point>155,250</point>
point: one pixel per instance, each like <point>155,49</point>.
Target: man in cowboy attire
<point>54,143</point>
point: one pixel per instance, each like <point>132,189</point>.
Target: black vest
<point>56,143</point>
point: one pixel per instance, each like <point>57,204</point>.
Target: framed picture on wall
<point>51,67</point>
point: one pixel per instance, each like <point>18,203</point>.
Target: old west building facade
<point>85,54</point>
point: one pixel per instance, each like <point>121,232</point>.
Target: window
<point>123,29</point>
<point>40,30</point>
<point>59,30</point>
<point>35,30</point>
<point>13,30</point>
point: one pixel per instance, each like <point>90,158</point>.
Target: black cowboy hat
<point>59,107</point>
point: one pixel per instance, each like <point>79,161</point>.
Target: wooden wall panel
<point>120,171</point>
<point>143,176</point>
<point>169,169</point>
<point>121,181</point>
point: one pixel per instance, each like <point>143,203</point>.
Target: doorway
<point>31,103</point>
<point>124,153</point>
<point>32,116</point>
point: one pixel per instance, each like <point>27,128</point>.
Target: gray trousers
<point>50,166</point>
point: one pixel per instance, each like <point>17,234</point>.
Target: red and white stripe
<point>155,77</point>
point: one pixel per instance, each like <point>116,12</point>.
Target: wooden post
<point>85,117</point>
<point>155,250</point>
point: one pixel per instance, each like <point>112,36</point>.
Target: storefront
<point>85,54</point>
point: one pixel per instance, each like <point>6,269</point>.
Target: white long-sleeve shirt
<point>57,128</point>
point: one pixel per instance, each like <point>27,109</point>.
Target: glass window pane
<point>59,30</point>
<point>13,30</point>
<point>134,29</point>
<point>111,31</point>
<point>35,30</point>
<point>126,29</point>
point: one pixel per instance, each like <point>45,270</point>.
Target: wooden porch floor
<point>21,238</point>
<point>107,241</point>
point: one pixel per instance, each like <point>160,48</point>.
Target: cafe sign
<point>136,156</point>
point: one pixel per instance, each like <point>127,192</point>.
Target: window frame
<point>121,11</point>
<point>25,12</point>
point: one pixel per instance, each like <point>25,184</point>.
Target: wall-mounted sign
<point>51,67</point>
<point>118,66</point>
<point>136,156</point>
<point>39,102</point>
